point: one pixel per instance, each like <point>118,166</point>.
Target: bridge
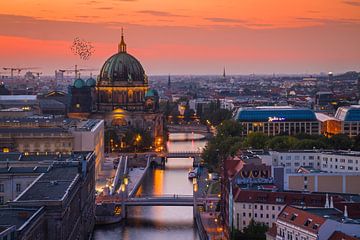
<point>185,154</point>
<point>163,200</point>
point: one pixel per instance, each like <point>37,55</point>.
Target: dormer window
<point>307,222</point>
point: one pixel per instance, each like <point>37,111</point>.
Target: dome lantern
<point>122,44</point>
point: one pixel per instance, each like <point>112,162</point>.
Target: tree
<point>281,143</point>
<point>254,231</point>
<point>256,140</point>
<point>226,142</point>
<point>341,141</point>
<point>310,144</point>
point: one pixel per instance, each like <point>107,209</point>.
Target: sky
<point>185,37</point>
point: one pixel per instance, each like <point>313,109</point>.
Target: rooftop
<point>275,114</point>
<point>53,185</point>
<point>348,113</point>
<point>18,217</point>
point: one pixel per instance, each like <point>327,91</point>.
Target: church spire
<point>122,44</point>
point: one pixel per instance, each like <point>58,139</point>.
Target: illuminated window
<point>77,105</point>
<point>6,150</point>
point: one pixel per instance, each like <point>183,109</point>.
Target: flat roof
<point>17,216</point>
<point>52,185</point>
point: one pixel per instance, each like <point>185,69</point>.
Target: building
<point>331,161</point>
<point>48,136</point>
<point>278,120</point>
<point>349,120</point>
<point>22,223</point>
<point>265,206</point>
<point>67,192</point>
<point>121,96</point>
<point>316,181</point>
<point>315,223</point>
<point>14,180</point>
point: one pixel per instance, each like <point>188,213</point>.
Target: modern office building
<point>278,120</point>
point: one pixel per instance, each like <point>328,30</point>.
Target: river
<point>160,223</point>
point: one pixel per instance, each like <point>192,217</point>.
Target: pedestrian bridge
<point>162,200</point>
<point>185,154</point>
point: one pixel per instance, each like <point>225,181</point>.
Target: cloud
<point>104,8</point>
<point>225,20</point>
<point>352,3</point>
<point>329,21</point>
<point>160,13</point>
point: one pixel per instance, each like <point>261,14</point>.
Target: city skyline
<point>201,37</point>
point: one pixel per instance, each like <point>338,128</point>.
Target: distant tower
<point>224,73</point>
<point>330,76</point>
<point>358,85</point>
<point>169,82</point>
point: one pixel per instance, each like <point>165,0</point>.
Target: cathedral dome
<point>79,83</point>
<point>122,67</point>
<point>91,82</point>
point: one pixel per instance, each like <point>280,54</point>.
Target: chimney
<point>331,202</point>
<point>346,215</point>
<point>327,201</point>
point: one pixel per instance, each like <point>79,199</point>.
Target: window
<point>350,161</point>
<point>2,188</point>
<point>244,223</point>
<point>255,215</point>
<point>1,200</point>
<point>249,215</point>
<point>261,207</point>
<point>279,208</point>
<point>261,215</point>
<point>244,214</point>
<point>288,157</point>
<point>249,206</point>
<point>273,208</point>
<point>267,215</point>
<point>255,206</point>
<point>18,187</point>
<point>307,222</point>
<point>244,206</point>
<point>267,207</point>
<point>273,216</point>
<point>350,168</point>
<point>237,221</point>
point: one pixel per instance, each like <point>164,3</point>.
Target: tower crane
<point>77,70</point>
<point>11,69</point>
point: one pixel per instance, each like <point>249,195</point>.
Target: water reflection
<point>149,223</point>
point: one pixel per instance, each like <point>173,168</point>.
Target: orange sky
<point>188,36</point>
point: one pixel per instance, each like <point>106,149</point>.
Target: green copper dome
<point>91,82</point>
<point>122,67</point>
<point>151,93</point>
<point>79,83</point>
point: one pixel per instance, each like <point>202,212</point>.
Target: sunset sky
<point>186,37</point>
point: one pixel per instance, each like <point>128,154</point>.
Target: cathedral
<point>120,95</point>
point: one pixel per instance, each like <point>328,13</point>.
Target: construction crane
<point>77,71</point>
<point>11,69</point>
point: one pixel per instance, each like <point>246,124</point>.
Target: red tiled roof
<point>291,198</point>
<point>341,236</point>
<point>299,218</point>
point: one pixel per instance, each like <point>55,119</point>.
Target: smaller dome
<point>151,93</point>
<point>91,82</point>
<point>79,83</point>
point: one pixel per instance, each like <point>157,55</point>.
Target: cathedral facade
<point>121,96</point>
